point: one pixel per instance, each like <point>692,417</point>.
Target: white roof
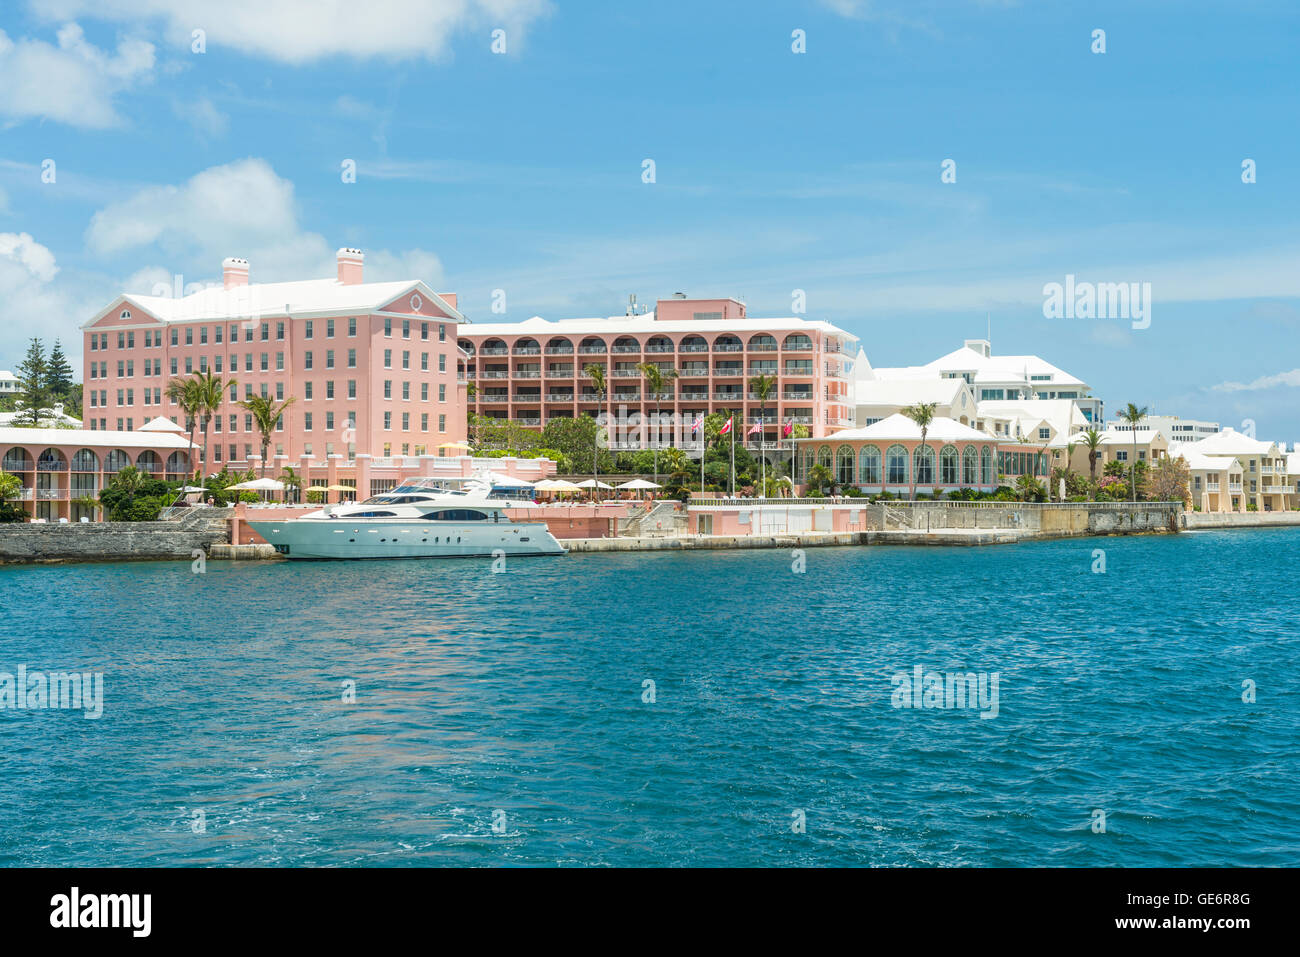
<point>988,369</point>
<point>899,426</point>
<point>1230,442</point>
<point>1199,462</point>
<point>1063,415</point>
<point>644,324</point>
<point>907,391</point>
<point>314,296</point>
<point>1144,437</point>
<point>161,424</point>
<point>91,439</point>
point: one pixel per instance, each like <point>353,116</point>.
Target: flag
<point>789,428</point>
<point>699,421</point>
<point>726,428</point>
<point>756,428</point>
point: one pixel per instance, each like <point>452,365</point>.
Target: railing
<point>627,373</point>
<point>1234,486</point>
<point>559,373</point>
<point>43,466</point>
<point>728,370</point>
<point>502,374</point>
<point>694,396</point>
<point>528,397</point>
<point>798,370</point>
<point>693,373</point>
<point>529,421</point>
<point>592,350</point>
<point>559,350</point>
<point>729,396</point>
<point>762,347</point>
<point>798,396</point>
<point>762,370</point>
<point>624,350</point>
<point>694,347</point>
<point>559,397</point>
<point>1211,486</point>
<point>728,347</point>
<point>494,398</point>
<point>527,373</point>
<point>667,348</point>
<point>494,351</point>
<point>797,347</point>
<point>626,397</point>
<point>528,351</point>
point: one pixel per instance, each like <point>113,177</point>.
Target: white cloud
<point>385,266</point>
<point>38,300</point>
<point>203,115</point>
<point>1291,378</point>
<point>299,31</point>
<point>34,258</point>
<point>72,83</point>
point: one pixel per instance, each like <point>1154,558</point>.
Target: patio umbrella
<point>260,485</point>
<point>638,484</point>
<point>505,481</point>
<point>192,489</point>
<point>454,445</point>
<point>592,483</point>
<point>339,488</point>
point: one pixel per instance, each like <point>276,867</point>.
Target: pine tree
<point>58,376</point>
<point>33,383</point>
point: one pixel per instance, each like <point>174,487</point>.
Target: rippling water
<point>515,700</point>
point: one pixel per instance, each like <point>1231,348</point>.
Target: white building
<point>1177,429</point>
<point>1001,378</point>
<point>8,383</point>
<point>1265,473</point>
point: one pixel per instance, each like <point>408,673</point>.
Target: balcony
<point>529,420</point>
<point>1234,486</point>
<point>1276,489</point>
<point>495,374</point>
<point>527,374</point>
<point>797,396</point>
<point>528,350</point>
<point>763,370</point>
<point>559,373</point>
<point>559,397</point>
<point>797,347</point>
<point>625,350</point>
<point>762,347</point>
<point>532,397</point>
<point>694,347</point>
<point>729,396</point>
<point>1211,486</point>
<point>494,351</point>
<point>701,372</point>
<point>659,349</point>
<point>618,397</point>
<point>728,370</point>
<point>693,396</point>
<point>494,398</point>
<point>54,494</point>
<point>592,350</point>
<point>798,370</point>
<point>728,347</point>
<point>559,350</point>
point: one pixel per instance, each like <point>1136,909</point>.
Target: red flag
<point>755,429</point>
<point>789,427</point>
<point>726,428</point>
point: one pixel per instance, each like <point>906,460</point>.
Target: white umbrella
<point>592,483</point>
<point>505,481</point>
<point>192,489</point>
<point>638,484</point>
<point>260,485</point>
<point>562,485</point>
<point>546,485</point>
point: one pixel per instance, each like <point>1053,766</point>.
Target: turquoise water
<point>499,717</point>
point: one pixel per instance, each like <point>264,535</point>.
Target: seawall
<point>1194,520</point>
<point>30,542</point>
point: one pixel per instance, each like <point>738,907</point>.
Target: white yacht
<point>417,519</point>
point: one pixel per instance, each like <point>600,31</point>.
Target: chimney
<point>350,263</point>
<point>234,272</point>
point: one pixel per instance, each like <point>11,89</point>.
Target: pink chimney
<point>234,272</point>
<point>350,263</point>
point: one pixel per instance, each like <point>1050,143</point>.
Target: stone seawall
<point>1055,520</point>
<point>1241,519</point>
<point>106,541</point>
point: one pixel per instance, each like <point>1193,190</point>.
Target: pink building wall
<point>812,367</point>
<point>418,331</point>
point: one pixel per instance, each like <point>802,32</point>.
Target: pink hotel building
<point>533,371</point>
<point>371,366</point>
<point>379,370</point>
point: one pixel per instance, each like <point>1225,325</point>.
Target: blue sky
<point>775,171</point>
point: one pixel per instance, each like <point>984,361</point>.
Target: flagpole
<point>762,457</point>
<point>732,430</point>
<point>702,431</point>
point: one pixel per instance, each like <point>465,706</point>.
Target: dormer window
<point>125,314</point>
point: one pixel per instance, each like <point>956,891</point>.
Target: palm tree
<point>762,386</point>
<point>292,480</point>
<point>211,392</point>
<point>656,379</point>
<point>1133,415</point>
<point>819,477</point>
<point>185,393</point>
<point>266,413</point>
<point>1092,440</point>
<point>596,373</point>
<point>922,414</point>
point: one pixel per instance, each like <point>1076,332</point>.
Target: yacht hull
<point>397,538</point>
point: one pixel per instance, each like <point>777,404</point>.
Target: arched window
<point>592,345</point>
<point>527,346</point>
<point>986,465</point>
<point>948,465</point>
<point>869,465</point>
<point>148,461</point>
<point>797,342</point>
<point>466,344</point>
<point>762,343</point>
<point>85,461</point>
<point>923,463</point>
<point>178,463</point>
<point>116,460</point>
<point>627,344</point>
<point>694,344</point>
<point>51,460</point>
<point>896,465</point>
<point>844,465</point>
<point>805,463</point>
<point>559,346</point>
<point>824,456</point>
<point>18,460</point>
<point>970,466</point>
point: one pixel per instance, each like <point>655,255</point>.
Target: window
<point>1044,433</point>
<point>189,335</point>
<point>352,358</point>
<point>388,328</point>
<point>970,466</point>
<point>388,421</point>
<point>306,329</point>
<point>352,327</point>
<point>388,388</point>
<point>844,465</point>
<point>329,358</point>
<point>406,328</point>
<point>406,422</point>
<point>306,360</point>
<point>424,392</point>
<point>986,464</point>
<point>329,388</point>
<point>203,335</point>
<point>442,423</point>
<point>424,362</point>
<point>923,465</point>
<point>306,421</point>
<point>406,391</point>
<point>442,363</point>
<point>306,391</point>
<point>442,333</point>
<point>279,330</point>
<point>329,328</point>
<point>869,465</point>
<point>352,389</point>
<point>266,361</point>
<point>406,359</point>
<point>896,465</point>
<point>948,465</point>
<point>424,422</point>
<point>174,339</point>
<point>456,515</point>
<point>329,421</point>
<point>279,362</point>
<point>424,330</point>
<point>388,358</point>
<point>266,332</point>
<point>442,393</point>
